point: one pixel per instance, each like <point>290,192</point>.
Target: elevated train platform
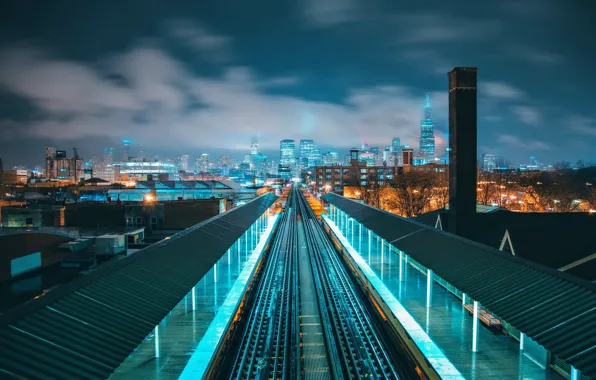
<point>468,307</point>
<point>176,309</point>
<point>141,316</point>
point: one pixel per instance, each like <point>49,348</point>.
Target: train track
<point>355,349</point>
<point>271,343</point>
<point>270,346</point>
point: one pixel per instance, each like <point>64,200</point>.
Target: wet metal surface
<point>445,324</point>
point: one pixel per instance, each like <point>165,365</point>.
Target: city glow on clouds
<point>501,90</point>
<point>527,115</point>
<point>200,77</point>
<point>529,144</point>
<point>157,99</point>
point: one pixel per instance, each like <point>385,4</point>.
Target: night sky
<point>188,79</point>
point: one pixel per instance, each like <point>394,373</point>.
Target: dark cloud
<point>199,78</point>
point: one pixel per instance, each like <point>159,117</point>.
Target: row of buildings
<point>359,173</point>
<point>293,165</point>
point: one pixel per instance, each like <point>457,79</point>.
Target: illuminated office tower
<point>306,149</point>
<point>287,158</point>
<point>427,133</point>
<point>125,150</point>
<point>396,149</point>
<point>254,146</point>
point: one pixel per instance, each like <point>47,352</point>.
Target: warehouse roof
<point>86,328</point>
<point>539,237</point>
<point>554,309</point>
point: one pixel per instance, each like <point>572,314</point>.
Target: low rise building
<point>150,214</point>
<point>14,177</point>
<point>33,216</point>
<point>334,178</point>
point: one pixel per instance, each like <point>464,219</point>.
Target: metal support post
<point>475,328</point>
<point>401,265</point>
<point>463,299</point>
<point>194,299</point>
<point>157,341</point>
<point>429,287</point>
<point>522,338</point>
<point>574,373</point>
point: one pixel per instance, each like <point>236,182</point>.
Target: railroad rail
<point>270,346</point>
<point>354,346</point>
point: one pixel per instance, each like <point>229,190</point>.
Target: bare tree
<point>588,192</point>
<point>413,193</point>
<point>372,192</point>
<point>440,190</point>
<point>488,190</point>
<point>559,191</point>
<point>503,185</point>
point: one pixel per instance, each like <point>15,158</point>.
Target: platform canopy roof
<point>553,308</point>
<point>86,328</point>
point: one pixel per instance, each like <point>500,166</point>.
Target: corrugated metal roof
<point>86,328</point>
<point>554,309</point>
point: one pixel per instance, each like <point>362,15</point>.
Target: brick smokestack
<point>463,155</point>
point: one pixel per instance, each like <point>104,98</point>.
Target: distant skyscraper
<point>369,158</point>
<point>108,158</point>
<point>378,155</point>
<point>203,163</point>
<point>125,150</point>
<point>427,133</point>
<point>254,146</point>
<point>287,152</point>
<point>184,162</point>
<point>306,149</point>
<point>387,155</point>
<point>315,158</point>
<point>247,159</point>
<point>330,158</point>
<point>489,162</point>
<point>287,157</point>
<point>396,149</point>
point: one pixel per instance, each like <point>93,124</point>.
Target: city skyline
<point>184,85</point>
